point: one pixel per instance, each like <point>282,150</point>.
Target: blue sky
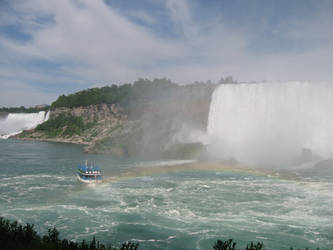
<point>57,47</point>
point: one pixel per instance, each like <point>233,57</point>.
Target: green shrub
<point>18,237</point>
<point>224,245</point>
<point>64,124</point>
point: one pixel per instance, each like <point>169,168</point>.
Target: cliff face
<point>168,123</point>
<point>106,129</point>
<point>88,126</point>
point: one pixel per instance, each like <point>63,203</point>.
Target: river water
<point>160,205</point>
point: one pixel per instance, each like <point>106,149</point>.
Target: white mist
<point>271,123</point>
<point>16,123</point>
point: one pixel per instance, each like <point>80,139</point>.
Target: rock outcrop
<point>103,124</point>
<point>150,119</point>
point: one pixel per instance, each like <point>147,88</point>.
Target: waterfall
<point>15,123</point>
<point>271,123</point>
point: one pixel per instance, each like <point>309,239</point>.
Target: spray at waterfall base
<point>271,123</point>
<point>14,124</point>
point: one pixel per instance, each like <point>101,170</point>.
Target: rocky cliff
<point>164,130</point>
<point>89,126</point>
<point>148,119</point>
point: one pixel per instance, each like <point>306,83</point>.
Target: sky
<point>54,47</point>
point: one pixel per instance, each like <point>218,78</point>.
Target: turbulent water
<point>272,123</point>
<point>15,123</point>
<point>163,206</point>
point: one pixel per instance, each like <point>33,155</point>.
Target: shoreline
<point>58,140</point>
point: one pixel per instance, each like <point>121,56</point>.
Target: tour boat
<point>89,174</point>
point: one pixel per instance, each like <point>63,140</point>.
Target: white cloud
<point>17,93</point>
<point>142,16</point>
<point>103,46</point>
<point>93,34</point>
<point>180,13</point>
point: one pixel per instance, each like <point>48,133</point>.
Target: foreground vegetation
<point>14,236</point>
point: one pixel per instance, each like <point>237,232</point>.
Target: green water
<point>165,210</point>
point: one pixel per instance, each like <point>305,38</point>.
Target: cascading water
<point>16,123</point>
<point>271,123</point>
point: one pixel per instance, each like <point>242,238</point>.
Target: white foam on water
<point>37,188</point>
<point>163,163</point>
<point>194,206</point>
<point>83,209</point>
<point>34,208</point>
<point>261,238</point>
<point>36,176</point>
<point>149,240</point>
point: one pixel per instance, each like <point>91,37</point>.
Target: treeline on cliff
<point>190,102</point>
<point>141,92</point>
<point>150,118</point>
<point>157,117</point>
<point>23,109</point>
